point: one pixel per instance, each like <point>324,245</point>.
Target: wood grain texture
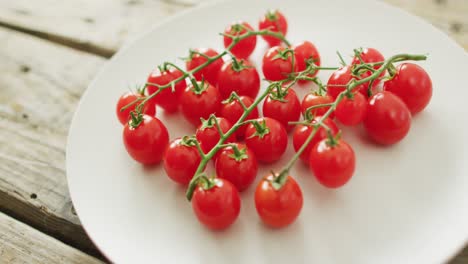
<point>40,85</point>
<point>23,244</point>
<point>101,27</point>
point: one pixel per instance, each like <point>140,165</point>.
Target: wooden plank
<point>102,26</point>
<point>40,86</point>
<point>23,244</point>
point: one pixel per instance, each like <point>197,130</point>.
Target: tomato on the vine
<point>314,99</point>
<point>233,110</point>
<point>238,76</point>
<point>306,52</point>
<point>412,84</point>
<point>388,119</point>
<point>210,72</point>
<point>369,55</point>
<point>283,105</point>
<point>245,47</point>
<point>199,101</point>
<point>237,165</point>
<point>166,99</point>
<point>208,135</point>
<point>351,111</point>
<point>274,21</point>
<point>145,139</point>
<point>278,63</point>
<point>302,132</point>
<point>216,203</point>
<point>181,160</point>
<point>332,162</point>
<point>149,108</point>
<point>278,208</point>
<point>338,81</point>
<point>267,138</point>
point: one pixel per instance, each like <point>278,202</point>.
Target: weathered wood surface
<point>40,85</point>
<point>23,244</point>
<point>102,26</point>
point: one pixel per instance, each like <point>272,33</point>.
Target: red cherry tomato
<point>217,207</point>
<point>270,143</point>
<point>276,22</point>
<point>238,168</point>
<point>245,47</point>
<point>332,165</point>
<point>181,161</point>
<point>302,132</point>
<point>207,133</point>
<point>313,99</point>
<point>305,51</point>
<point>337,81</point>
<point>166,99</point>
<point>199,103</point>
<point>388,119</point>
<point>369,55</point>
<point>240,77</point>
<point>278,208</point>
<point>284,108</point>
<point>210,72</point>
<point>351,111</point>
<point>127,98</point>
<point>233,111</point>
<point>147,142</point>
<point>278,63</point>
<point>413,85</point>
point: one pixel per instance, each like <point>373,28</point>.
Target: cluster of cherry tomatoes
<point>218,93</point>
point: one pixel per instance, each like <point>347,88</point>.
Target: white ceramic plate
<point>405,204</point>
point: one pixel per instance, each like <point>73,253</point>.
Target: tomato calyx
<point>136,117</point>
<point>284,54</point>
<point>239,154</point>
<point>209,123</point>
<point>278,179</point>
<point>199,87</point>
<point>278,93</point>
<point>239,65</point>
<point>271,15</point>
<point>188,141</point>
<point>261,129</point>
<point>201,180</point>
<point>237,28</point>
<point>332,140</point>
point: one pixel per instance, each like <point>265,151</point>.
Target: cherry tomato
<point>332,164</point>
<point>413,85</point>
<point>313,99</point>
<point>270,142</point>
<point>240,77</point>
<point>238,168</point>
<point>351,111</point>
<point>302,132</point>
<point>369,55</point>
<point>210,72</point>
<point>201,102</point>
<point>127,98</point>
<point>337,81</point>
<point>217,207</point>
<point>284,106</point>
<point>233,110</point>
<point>245,47</point>
<point>208,136</point>
<point>305,51</point>
<point>166,99</point>
<point>278,208</point>
<point>388,119</point>
<point>147,142</point>
<point>181,161</point>
<point>278,63</point>
<point>276,22</point>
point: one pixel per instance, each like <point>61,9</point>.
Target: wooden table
<point>49,52</point>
